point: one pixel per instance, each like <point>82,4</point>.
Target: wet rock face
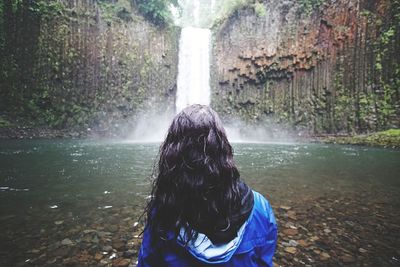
<point>87,66</point>
<point>132,66</point>
<point>315,71</point>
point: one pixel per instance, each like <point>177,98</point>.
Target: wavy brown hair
<point>197,182</point>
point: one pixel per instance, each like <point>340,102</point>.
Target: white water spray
<point>194,68</point>
<point>193,78</point>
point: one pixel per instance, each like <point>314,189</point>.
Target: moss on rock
<point>389,138</point>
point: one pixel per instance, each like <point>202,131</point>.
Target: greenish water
<point>56,189</point>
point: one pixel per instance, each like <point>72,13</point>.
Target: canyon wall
<point>319,66</point>
<point>327,67</point>
<point>84,64</point>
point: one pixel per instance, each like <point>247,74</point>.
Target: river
<point>78,202</point>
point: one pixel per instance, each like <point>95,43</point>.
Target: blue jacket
<point>254,245</point>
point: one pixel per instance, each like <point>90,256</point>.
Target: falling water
<point>193,77</point>
<point>193,68</point>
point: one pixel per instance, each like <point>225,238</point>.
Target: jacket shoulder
<point>262,207</point>
<point>261,226</point>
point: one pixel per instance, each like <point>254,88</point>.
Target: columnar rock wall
<point>334,69</point>
<point>85,64</point>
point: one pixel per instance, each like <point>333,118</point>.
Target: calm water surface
<point>55,189</point>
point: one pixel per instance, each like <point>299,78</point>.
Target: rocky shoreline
<point>50,133</point>
<point>33,133</point>
<point>337,232</point>
<point>328,231</point>
<point>346,228</point>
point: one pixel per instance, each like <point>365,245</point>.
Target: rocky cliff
<point>322,66</point>
<point>87,64</point>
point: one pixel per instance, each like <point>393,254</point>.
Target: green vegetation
<point>157,11</point>
<point>47,9</point>
<point>227,8</point>
<point>344,115</point>
<point>380,107</point>
<point>375,105</point>
<point>221,11</point>
<point>385,64</point>
<point>308,6</point>
<point>4,123</point>
<point>389,138</point>
<point>115,11</point>
<point>260,9</point>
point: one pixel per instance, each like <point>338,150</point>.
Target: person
<point>200,212</point>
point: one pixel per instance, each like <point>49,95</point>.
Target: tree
<point>157,11</point>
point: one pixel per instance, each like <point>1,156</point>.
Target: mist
<point>242,132</point>
<point>151,128</point>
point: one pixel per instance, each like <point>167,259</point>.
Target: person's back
<point>200,212</point>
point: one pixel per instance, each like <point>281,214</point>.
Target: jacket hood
<point>218,246</point>
<point>204,250</point>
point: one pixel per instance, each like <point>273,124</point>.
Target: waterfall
<point>193,81</point>
<point>193,68</point>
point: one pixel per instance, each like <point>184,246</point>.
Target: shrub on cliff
<point>157,11</point>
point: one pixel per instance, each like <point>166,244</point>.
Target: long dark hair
<point>197,182</point>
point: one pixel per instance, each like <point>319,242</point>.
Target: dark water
<point>343,202</point>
